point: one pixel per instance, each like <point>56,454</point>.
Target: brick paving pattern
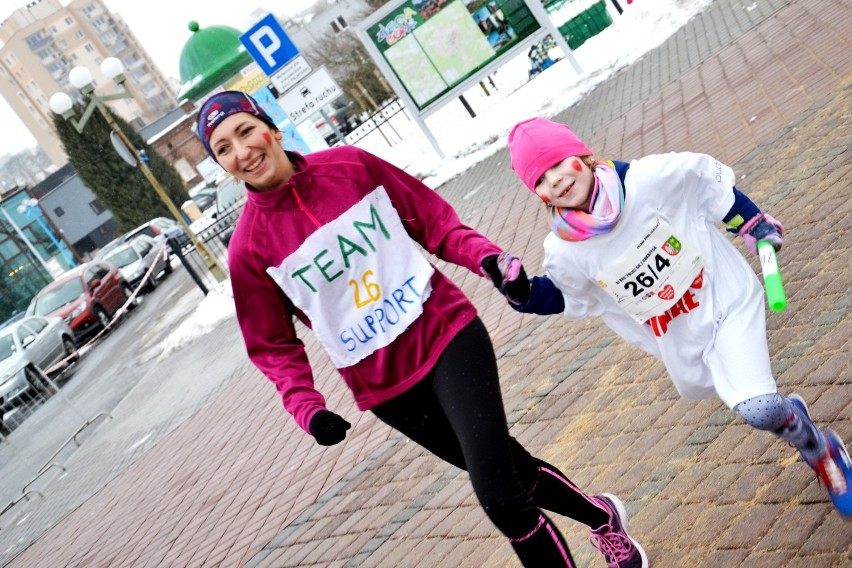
<point>766,88</point>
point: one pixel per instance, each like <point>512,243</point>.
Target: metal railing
<point>215,238</point>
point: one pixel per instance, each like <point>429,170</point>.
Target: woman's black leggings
<point>456,412</point>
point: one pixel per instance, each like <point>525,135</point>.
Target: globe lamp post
<point>60,103</point>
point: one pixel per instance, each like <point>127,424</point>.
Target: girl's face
<point>568,184</point>
<point>250,150</point>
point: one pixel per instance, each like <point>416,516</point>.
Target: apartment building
<point>43,41</point>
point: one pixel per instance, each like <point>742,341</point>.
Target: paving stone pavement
<point>764,86</point>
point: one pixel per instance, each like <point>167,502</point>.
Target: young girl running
<point>330,238</point>
<point>636,245</point>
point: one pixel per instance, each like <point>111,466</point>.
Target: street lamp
<point>61,104</point>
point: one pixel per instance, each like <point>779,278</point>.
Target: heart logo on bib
<point>667,293</point>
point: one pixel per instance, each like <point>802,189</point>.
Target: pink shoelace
<point>615,547</point>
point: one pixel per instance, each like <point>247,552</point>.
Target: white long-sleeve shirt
<point>713,339</point>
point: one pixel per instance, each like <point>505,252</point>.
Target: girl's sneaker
<point>618,547</point>
<point>833,467</point>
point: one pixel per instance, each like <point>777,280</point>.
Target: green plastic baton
<point>775,296</point>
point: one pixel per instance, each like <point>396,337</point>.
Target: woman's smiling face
<point>250,150</point>
<point>568,184</point>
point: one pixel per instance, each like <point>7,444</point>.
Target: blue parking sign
<point>269,45</point>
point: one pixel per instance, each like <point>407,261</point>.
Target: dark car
<point>86,297</point>
<point>230,198</point>
<point>205,198</point>
<point>343,115</point>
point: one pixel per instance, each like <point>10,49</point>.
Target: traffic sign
<point>310,96</point>
<point>291,74</point>
<point>269,45</point>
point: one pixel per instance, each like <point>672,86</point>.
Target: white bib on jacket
<point>360,279</point>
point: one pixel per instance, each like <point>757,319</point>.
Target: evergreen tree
<point>121,188</point>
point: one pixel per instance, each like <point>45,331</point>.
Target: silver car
<point>134,258</point>
<point>28,346</point>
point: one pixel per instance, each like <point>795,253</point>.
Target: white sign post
<point>291,74</point>
<point>310,96</point>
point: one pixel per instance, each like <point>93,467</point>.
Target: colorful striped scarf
<point>606,204</point>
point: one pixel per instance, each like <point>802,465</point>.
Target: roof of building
<point>211,56</point>
<point>53,181</point>
<point>165,123</point>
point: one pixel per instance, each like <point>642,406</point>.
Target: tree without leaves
<point>122,189</point>
<point>24,168</point>
<point>348,62</point>
<point>376,4</point>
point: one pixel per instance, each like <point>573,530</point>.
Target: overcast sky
<point>162,33</point>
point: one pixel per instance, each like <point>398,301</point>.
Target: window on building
<point>11,59</point>
<point>338,24</point>
<point>62,43</point>
<point>59,211</point>
<point>9,249</point>
<point>79,34</point>
<point>69,21</point>
<point>89,48</point>
<point>97,207</point>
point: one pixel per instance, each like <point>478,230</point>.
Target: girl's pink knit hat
<point>538,144</point>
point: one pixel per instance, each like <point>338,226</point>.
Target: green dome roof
<point>210,57</point>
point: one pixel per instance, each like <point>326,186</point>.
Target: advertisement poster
<point>292,138</point>
<point>434,45</point>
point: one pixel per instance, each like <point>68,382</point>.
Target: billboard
<point>433,46</point>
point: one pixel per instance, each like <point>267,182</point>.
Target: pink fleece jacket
<point>275,223</point>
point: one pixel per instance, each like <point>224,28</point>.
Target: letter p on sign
<point>266,47</point>
<point>269,45</point>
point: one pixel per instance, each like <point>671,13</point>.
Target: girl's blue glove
<point>762,227</point>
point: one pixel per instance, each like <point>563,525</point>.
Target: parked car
<point>161,229</point>
<point>230,198</point>
<point>29,346</point>
<point>109,247</point>
<point>205,198</point>
<point>342,114</point>
<point>86,297</point>
<point>147,230</point>
<point>136,257</point>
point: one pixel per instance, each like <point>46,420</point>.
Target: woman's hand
<point>508,275</point>
<point>328,428</point>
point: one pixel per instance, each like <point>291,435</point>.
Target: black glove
<point>328,428</point>
<point>508,275</point>
<point>489,266</point>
